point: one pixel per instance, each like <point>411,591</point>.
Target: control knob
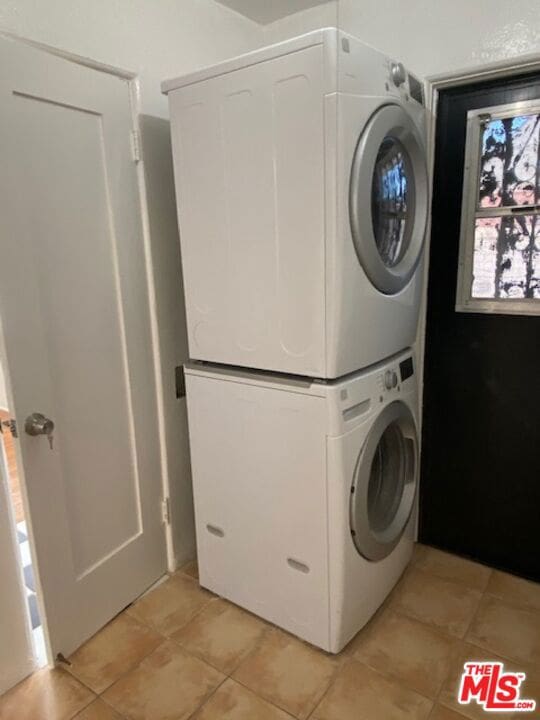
<point>390,379</point>
<point>398,74</point>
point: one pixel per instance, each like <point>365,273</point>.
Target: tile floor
<point>180,652</point>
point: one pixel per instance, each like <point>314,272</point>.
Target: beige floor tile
<point>169,684</point>
<point>191,568</point>
<point>350,649</point>
<point>418,552</point>
<point>514,589</point>
<point>119,647</point>
<point>440,712</point>
<point>467,652</point>
<point>287,672</point>
<point>221,634</point>
<point>98,710</point>
<point>530,690</point>
<point>171,605</point>
<point>509,630</point>
<point>360,693</point>
<point>232,701</point>
<point>442,603</point>
<point>45,695</point>
<point>452,567</point>
<point>414,653</point>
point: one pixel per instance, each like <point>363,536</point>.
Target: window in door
<point>499,265</point>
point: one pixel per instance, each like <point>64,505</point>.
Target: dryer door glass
<point>392,201</point>
<point>388,198</point>
<point>384,484</point>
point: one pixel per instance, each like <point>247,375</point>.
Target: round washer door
<point>384,483</point>
<point>388,198</point>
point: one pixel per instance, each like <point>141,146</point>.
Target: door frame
<point>433,85</point>
<point>22,660</point>
<point>133,84</point>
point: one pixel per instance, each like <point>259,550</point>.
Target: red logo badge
<point>489,685</point>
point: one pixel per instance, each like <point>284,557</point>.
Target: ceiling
<point>267,11</point>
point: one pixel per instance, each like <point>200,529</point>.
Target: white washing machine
<point>302,199</point>
<point>305,492</point>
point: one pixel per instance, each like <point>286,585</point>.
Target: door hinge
<point>60,658</point>
<point>166,511</point>
<point>180,382</point>
<point>11,425</point>
<point>135,145</point>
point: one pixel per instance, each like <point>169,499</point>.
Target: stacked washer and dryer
<point>302,199</point>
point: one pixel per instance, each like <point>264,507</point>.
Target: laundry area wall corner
<point>157,39</point>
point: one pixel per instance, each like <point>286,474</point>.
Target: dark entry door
<point>480,486</point>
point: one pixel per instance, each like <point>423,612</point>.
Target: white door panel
<point>75,308</point>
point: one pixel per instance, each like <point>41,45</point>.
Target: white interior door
<point>74,305</point>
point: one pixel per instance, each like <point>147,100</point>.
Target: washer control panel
<point>388,382</point>
<point>406,369</point>
<point>393,377</point>
<point>390,379</point>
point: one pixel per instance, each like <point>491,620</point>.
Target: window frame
<point>470,212</point>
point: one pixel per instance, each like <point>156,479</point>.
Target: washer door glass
<point>384,484</point>
<point>388,198</point>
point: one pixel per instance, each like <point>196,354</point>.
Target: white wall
<point>156,39</point>
<point>3,393</point>
<point>438,36</point>
<point>301,22</point>
<point>171,319</point>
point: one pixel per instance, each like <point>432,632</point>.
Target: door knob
<point>38,424</point>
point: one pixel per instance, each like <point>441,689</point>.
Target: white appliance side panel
<point>259,480</point>
<point>249,167</point>
<point>362,69</point>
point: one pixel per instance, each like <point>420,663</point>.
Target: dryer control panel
<point>416,89</point>
<point>401,78</point>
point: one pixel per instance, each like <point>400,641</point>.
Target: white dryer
<point>305,492</point>
<point>302,200</point>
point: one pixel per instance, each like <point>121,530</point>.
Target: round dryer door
<point>384,484</point>
<point>388,198</point>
